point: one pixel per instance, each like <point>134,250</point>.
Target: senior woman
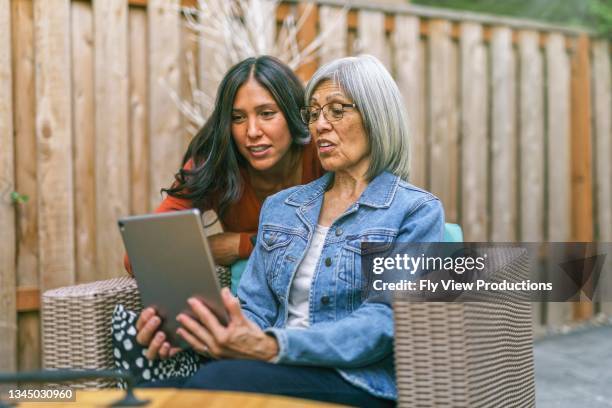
<point>302,325</point>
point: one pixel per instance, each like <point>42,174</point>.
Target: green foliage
<point>592,14</point>
<point>19,198</point>
<point>601,12</point>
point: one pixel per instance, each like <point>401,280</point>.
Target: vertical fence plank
<point>602,108</point>
<point>333,25</point>
<point>422,162</point>
<point>139,135</point>
<point>309,13</point>
<point>24,122</point>
<point>111,111</point>
<point>559,178</point>
<point>582,227</point>
<point>202,49</point>
<point>558,86</point>
<point>443,160</point>
<point>602,127</point>
<point>531,146</point>
<point>25,177</point>
<point>372,37</point>
<point>531,156</point>
<point>531,151</point>
<point>213,59</point>
<point>474,145</point>
<point>8,317</point>
<point>84,141</point>
<point>581,170</point>
<point>54,141</point>
<point>410,78</point>
<point>352,43</point>
<point>265,19</point>
<point>188,79</point>
<point>164,117</point>
<point>503,215</point>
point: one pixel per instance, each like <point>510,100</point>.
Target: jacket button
<point>339,232</point>
<point>325,300</point>
<point>328,262</point>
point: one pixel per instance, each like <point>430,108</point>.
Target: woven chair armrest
<point>76,322</point>
<point>478,353</point>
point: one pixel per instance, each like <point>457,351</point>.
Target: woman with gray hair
<point>303,324</point>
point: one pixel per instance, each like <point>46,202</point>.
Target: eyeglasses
<point>332,112</point>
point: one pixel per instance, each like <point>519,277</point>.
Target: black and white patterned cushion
<point>130,356</point>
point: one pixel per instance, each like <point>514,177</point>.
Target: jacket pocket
<point>274,242</point>
<point>366,243</point>
<point>271,239</point>
<point>350,274</point>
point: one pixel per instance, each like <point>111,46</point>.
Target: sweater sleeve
<point>245,247</point>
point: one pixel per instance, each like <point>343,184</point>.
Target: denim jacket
<point>347,333</point>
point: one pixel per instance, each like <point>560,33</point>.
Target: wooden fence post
<point>582,180</point>
<point>558,183</point>
<point>54,141</point>
<point>602,106</point>
<point>213,58</point>
<point>164,75</point>
<point>559,178</point>
<point>8,316</point>
<point>410,79</point>
<point>443,118</point>
<point>332,22</point>
<point>139,132</point>
<point>531,111</point>
<point>474,143</point>
<point>306,34</point>
<point>602,139</point>
<point>84,127</point>
<point>371,34</point>
<point>503,215</point>
<point>112,149</point>
<point>28,339</point>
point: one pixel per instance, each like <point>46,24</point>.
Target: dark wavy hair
<point>217,162</point>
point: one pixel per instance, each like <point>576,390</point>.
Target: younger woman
<point>253,145</point>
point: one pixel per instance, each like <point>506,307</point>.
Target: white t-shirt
<point>299,293</point>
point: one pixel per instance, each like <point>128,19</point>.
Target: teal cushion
<point>237,269</point>
<point>452,233</point>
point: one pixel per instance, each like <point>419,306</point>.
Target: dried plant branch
<point>228,31</point>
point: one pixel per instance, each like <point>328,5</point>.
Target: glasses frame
<point>319,110</point>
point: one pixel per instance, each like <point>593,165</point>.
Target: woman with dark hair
<point>253,145</point>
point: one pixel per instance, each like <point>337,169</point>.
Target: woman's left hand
<point>241,338</point>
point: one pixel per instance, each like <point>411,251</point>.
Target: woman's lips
<point>326,147</point>
<point>259,151</point>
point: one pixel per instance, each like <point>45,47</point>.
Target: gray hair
<point>367,82</point>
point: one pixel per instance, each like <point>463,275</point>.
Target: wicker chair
<point>477,353</point>
<point>76,323</point>
<point>474,352</point>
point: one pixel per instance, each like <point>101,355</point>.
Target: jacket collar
<point>378,194</point>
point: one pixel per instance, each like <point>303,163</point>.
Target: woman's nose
<point>253,129</point>
<point>322,124</point>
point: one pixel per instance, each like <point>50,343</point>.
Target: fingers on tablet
<point>148,331</point>
<point>145,316</point>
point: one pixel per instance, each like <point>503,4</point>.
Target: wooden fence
<point>510,121</point>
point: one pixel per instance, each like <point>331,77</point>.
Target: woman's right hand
<point>149,336</point>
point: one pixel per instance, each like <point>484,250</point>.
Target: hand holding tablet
<point>172,262</point>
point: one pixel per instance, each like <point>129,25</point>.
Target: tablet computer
<point>172,262</point>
